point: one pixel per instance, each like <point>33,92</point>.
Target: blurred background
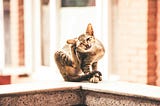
<point>32,30</point>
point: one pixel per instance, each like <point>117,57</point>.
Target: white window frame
<point>32,42</point>
<point>32,22</point>
<point>103,29</point>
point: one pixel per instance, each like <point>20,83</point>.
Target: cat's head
<point>85,41</point>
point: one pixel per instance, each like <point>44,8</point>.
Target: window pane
<point>45,39</point>
<point>14,33</point>
<point>77,3</point>
<point>7,37</point>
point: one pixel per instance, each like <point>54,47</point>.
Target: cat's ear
<point>89,30</point>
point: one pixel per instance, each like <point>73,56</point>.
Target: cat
<point>78,59</point>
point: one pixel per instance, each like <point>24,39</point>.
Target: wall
<point>45,98</point>
<point>158,44</point>
<point>130,40</point>
<point>108,99</point>
<point>79,94</point>
<point>151,40</point>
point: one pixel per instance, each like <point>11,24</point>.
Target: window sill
<point>113,87</point>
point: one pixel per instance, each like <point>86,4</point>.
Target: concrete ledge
<point>93,98</point>
<point>70,93</point>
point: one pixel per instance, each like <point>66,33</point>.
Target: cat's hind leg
<point>84,77</point>
<point>94,66</point>
<point>64,64</point>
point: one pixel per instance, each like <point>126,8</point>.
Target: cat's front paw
<point>96,78</point>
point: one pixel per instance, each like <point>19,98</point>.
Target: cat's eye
<point>88,39</point>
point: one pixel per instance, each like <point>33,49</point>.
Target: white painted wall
<point>130,40</point>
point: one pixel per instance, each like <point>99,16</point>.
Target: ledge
<point>31,87</point>
<point>119,89</point>
<point>126,89</point>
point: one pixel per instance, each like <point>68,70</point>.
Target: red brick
<point>152,45</point>
<point>152,65</point>
<point>5,80</point>
<point>158,43</point>
<point>151,80</point>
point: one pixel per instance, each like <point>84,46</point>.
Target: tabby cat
<point>77,61</point>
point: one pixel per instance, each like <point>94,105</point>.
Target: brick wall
<point>152,37</point>
<point>130,40</point>
<point>136,41</point>
<point>158,43</point>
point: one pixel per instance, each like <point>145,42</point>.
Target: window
<point>11,37</point>
<point>48,24</point>
<point>45,34</point>
<point>77,3</point>
<point>74,19</point>
<point>63,23</point>
<point>74,16</point>
<point>7,36</point>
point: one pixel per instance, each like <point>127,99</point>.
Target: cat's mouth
<point>87,47</point>
<point>84,48</point>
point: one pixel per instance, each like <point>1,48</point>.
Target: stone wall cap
<point>113,87</point>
